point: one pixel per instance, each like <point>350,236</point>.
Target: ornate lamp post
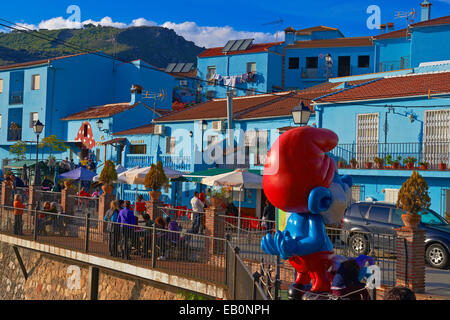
<point>301,114</point>
<point>37,128</point>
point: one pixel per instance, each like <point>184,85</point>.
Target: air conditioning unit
<point>218,125</point>
<point>183,83</point>
<point>159,129</point>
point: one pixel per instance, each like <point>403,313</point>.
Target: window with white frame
<point>35,82</point>
<point>1,85</point>
<point>34,116</point>
<point>367,137</point>
<point>436,136</point>
<point>210,75</point>
<point>170,145</point>
<point>251,67</point>
<point>211,142</point>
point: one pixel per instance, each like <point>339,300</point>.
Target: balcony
<point>15,134</point>
<point>16,98</point>
<point>387,66</point>
<point>399,156</point>
<point>179,163</point>
<point>134,160</point>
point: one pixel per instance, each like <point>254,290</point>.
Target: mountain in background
<point>157,45</point>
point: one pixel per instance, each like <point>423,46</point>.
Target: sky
<point>211,23</point>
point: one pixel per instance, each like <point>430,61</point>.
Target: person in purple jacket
<point>126,219</point>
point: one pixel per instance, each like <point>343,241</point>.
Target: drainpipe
<point>230,116</point>
<point>319,110</point>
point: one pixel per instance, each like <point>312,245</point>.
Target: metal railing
<point>41,197</point>
<point>133,160</point>
<point>433,153</point>
<point>181,163</point>
<point>16,97</point>
<point>14,134</point>
<point>185,217</point>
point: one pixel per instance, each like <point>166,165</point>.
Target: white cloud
<point>203,36</point>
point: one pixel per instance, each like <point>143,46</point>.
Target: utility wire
<point>36,33</point>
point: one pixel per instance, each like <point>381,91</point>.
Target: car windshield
<point>430,217</point>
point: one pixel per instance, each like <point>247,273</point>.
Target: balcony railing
<point>181,163</point>
<point>15,134</point>
<point>386,66</point>
<point>133,160</point>
<point>16,97</point>
<point>429,155</point>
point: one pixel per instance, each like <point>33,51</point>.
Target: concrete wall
<point>430,44</point>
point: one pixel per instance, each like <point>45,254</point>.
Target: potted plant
<point>155,180</point>
<point>219,196</point>
<point>442,166</point>
<point>395,164</point>
<point>413,197</point>
<point>409,162</point>
<point>68,184</point>
<point>368,165</point>
<point>108,176</point>
<point>354,163</point>
<point>342,163</point>
<point>424,165</point>
<point>379,162</point>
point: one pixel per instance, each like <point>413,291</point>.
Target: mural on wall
<point>86,136</point>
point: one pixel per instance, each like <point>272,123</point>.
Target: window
<point>358,211</point>
<point>170,145</point>
<point>430,218</point>
<point>397,217</point>
<point>35,82</point>
<point>212,140</point>
<point>251,67</point>
<point>85,130</point>
<point>34,116</point>
<point>138,149</point>
<point>363,61</point>
<point>436,131</point>
<point>379,214</point>
<point>294,63</point>
<point>1,85</point>
<point>210,75</point>
<point>312,63</point>
<point>97,155</point>
<point>367,137</point>
<point>256,144</point>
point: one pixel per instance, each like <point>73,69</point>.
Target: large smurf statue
<point>300,178</point>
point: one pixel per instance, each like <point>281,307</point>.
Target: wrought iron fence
<point>431,154</point>
<point>41,197</point>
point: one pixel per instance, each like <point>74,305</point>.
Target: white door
<point>367,138</point>
<point>436,136</point>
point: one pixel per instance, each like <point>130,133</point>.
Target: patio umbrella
<point>119,170</point>
<point>80,173</point>
<point>239,178</point>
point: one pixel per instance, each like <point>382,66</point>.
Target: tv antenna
<point>408,15</point>
<point>278,23</point>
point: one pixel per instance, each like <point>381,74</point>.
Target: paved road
<point>437,282</point>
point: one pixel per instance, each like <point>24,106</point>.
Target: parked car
<point>370,225</point>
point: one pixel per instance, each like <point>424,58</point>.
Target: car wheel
<point>437,256</point>
<point>358,244</point>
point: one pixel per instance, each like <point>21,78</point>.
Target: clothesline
<point>231,80</point>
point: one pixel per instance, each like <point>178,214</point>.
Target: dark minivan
<point>365,221</point>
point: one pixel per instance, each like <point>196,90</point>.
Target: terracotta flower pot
<point>424,167</point>
<point>67,185</point>
<point>411,220</point>
<point>410,165</point>
<point>442,166</point>
<point>395,165</point>
<point>379,165</point>
<point>369,165</point>
<point>107,189</point>
<point>216,202</point>
<point>155,195</point>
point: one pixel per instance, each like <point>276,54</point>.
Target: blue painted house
<point>52,89</point>
<point>395,117</point>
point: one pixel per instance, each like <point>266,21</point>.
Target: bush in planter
<point>220,195</point>
<point>379,162</point>
<point>409,162</point>
<point>393,163</point>
<point>156,179</point>
<point>413,197</point>
<point>424,165</point>
<point>108,176</point>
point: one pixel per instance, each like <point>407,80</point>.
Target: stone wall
<point>49,278</point>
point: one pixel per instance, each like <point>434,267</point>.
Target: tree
<point>413,196</point>
<point>19,149</point>
<point>54,144</point>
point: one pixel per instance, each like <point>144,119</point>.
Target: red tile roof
<point>255,48</point>
<point>432,22</point>
<point>104,111</point>
<point>402,33</point>
<point>394,87</point>
<point>145,129</point>
<point>334,43</point>
<point>39,62</point>
<point>308,31</point>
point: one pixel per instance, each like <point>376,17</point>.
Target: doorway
<point>344,66</point>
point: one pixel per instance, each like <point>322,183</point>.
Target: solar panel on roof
<point>187,67</point>
<point>236,45</point>
<point>178,68</point>
<point>245,44</point>
<point>170,67</point>
<point>228,46</point>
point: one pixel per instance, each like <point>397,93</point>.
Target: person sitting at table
<point>47,184</point>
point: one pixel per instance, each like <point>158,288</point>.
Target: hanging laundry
<point>227,81</point>
<point>244,78</point>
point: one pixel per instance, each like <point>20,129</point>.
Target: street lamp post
<point>301,114</point>
<point>37,128</point>
<point>329,63</point>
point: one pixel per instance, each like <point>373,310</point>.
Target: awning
<point>20,164</point>
<point>113,141</point>
<point>199,175</point>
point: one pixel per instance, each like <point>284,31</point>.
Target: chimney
<point>390,26</point>
<point>426,10</point>
<point>382,28</point>
<point>136,94</point>
<point>289,36</point>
